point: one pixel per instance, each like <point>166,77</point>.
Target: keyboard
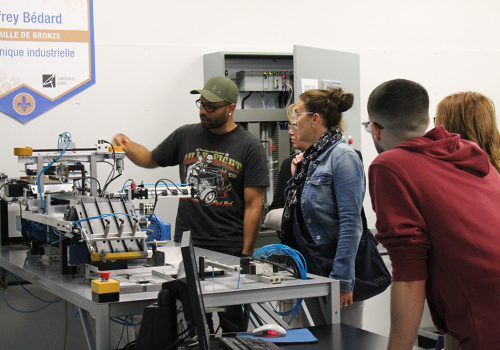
<point>246,344</point>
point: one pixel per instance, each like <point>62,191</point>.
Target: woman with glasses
<point>472,116</point>
<point>324,199</point>
<point>275,213</point>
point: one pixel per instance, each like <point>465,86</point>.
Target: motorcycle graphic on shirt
<point>208,176</point>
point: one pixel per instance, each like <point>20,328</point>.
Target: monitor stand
<point>159,321</point>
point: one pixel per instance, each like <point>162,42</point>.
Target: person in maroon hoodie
<point>437,200</point>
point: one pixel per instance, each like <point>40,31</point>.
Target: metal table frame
<point>218,292</point>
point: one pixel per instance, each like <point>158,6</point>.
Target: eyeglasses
<point>209,108</point>
<point>288,126</point>
<point>368,127</point>
<point>297,115</point>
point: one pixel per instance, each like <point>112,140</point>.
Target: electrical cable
<point>272,249</point>
<point>153,215</point>
<point>244,99</point>
<point>259,319</point>
<point>48,302</point>
<point>250,318</point>
<point>178,341</point>
<point>77,314</point>
<point>121,336</point>
<point>291,93</point>
<point>33,295</point>
<point>124,322</point>
<point>156,198</point>
<point>125,185</point>
<point>131,345</point>
<point>67,143</point>
<point>22,311</point>
<point>88,177</point>
<point>299,264</point>
<point>111,176</point>
<point>102,216</point>
<point>110,181</point>
<point>3,186</point>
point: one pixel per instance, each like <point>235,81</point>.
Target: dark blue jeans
<point>233,318</point>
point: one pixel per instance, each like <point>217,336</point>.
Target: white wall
<point>149,56</point>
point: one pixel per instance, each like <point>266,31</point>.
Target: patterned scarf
<point>331,136</point>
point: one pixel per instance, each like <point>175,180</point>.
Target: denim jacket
<point>331,204</point>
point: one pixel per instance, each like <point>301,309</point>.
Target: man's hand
<point>121,140</point>
<point>138,154</point>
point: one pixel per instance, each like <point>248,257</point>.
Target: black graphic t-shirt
<point>220,167</point>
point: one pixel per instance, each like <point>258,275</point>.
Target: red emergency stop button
<point>105,275</point>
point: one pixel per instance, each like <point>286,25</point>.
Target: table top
<point>341,337</point>
<point>228,289</point>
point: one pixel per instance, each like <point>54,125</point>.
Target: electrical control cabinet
<point>269,82</point>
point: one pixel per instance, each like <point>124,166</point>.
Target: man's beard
<point>214,123</point>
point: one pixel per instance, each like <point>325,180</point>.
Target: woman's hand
<point>345,299</point>
<point>295,161</point>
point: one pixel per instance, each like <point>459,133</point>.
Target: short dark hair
<point>399,104</point>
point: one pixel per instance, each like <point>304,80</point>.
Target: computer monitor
<point>159,323</point>
<point>190,293</point>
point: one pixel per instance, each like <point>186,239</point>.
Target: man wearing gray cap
<point>225,162</point>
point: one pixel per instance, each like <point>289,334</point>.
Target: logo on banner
<point>24,104</point>
<point>48,80</point>
<point>46,54</point>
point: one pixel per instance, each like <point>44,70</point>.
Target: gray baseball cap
<point>219,89</point>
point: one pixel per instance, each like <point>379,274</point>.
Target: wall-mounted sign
<point>46,54</point>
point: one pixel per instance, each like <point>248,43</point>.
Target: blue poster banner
<point>46,54</point>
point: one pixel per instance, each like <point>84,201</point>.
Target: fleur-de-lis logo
<point>23,103</point>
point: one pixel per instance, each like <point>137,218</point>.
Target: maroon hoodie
<point>437,200</point>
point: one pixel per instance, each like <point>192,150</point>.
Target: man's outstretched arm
<point>138,154</point>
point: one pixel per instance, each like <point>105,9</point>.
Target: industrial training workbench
<point>221,291</point>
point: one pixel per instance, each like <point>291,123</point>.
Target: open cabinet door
<point>315,67</point>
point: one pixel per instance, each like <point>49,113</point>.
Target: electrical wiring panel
<point>263,81</point>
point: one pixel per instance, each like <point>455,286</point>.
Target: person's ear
<point>316,119</point>
<point>375,131</point>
